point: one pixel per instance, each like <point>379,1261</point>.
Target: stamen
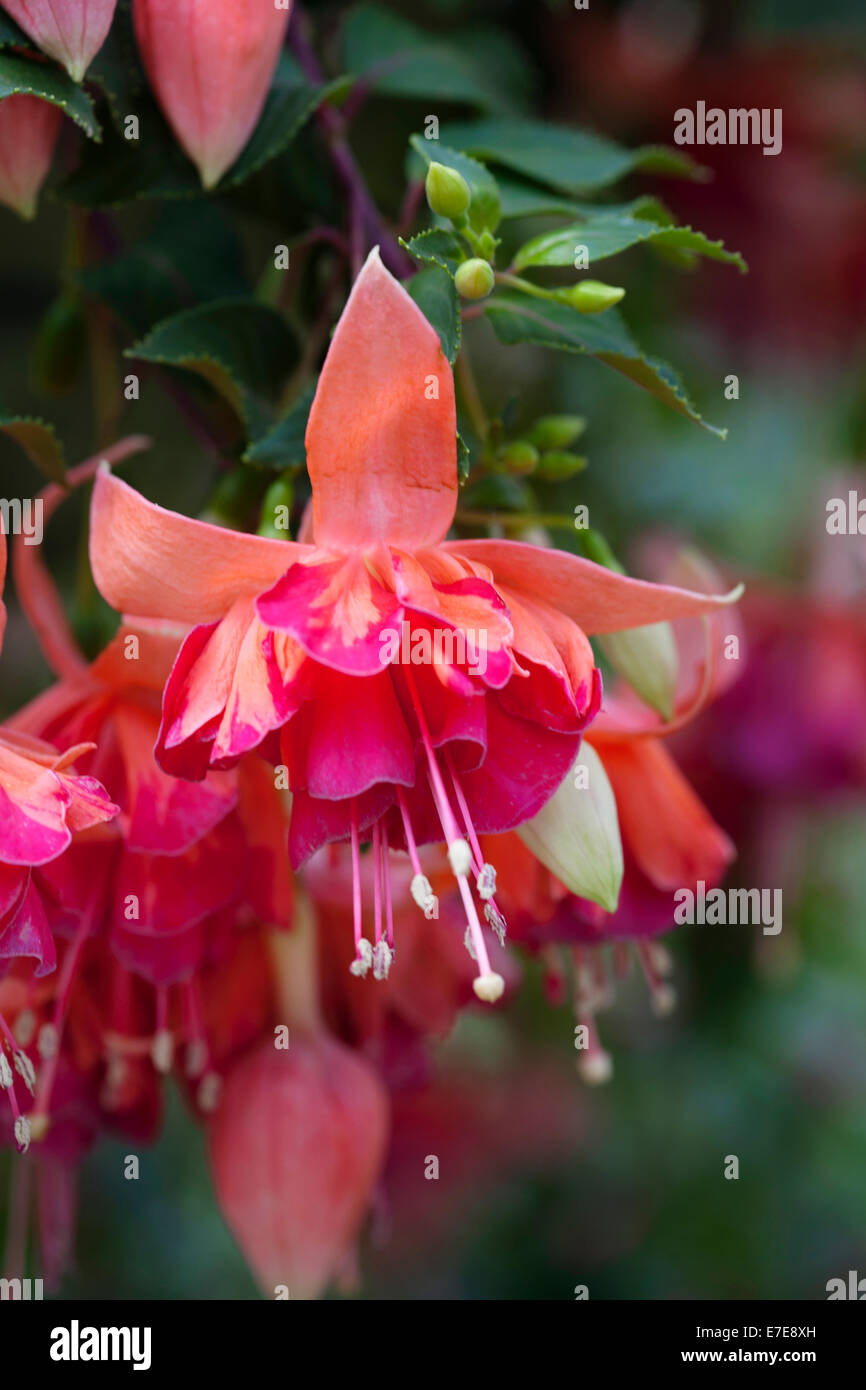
<point>209,1092</point>
<point>363,950</point>
<point>25,1070</point>
<point>595,1066</point>
<point>197,1050</point>
<point>486,880</point>
<point>25,1027</point>
<point>663,997</point>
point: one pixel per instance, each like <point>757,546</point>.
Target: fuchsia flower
<point>29,129</point>
<point>70,31</point>
<point>287,651</point>
<point>211,64</point>
<point>43,805</point>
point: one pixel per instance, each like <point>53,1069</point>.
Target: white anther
<point>421,890</point>
<point>47,1042</point>
<point>162,1051</point>
<point>663,1000</point>
<point>363,960</point>
<point>486,882</point>
<point>382,958</point>
<point>595,1068</point>
<point>209,1092</point>
<point>489,988</point>
<point>469,943</point>
<point>25,1070</point>
<point>196,1058</point>
<point>661,958</point>
<point>25,1028</point>
<point>495,921</point>
<point>460,858</point>
<point>6,1077</point>
<point>22,1133</point>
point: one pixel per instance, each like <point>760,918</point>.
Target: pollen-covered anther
<point>6,1077</point>
<point>162,1051</point>
<point>22,1133</point>
<point>486,882</point>
<point>209,1092</point>
<point>469,943</point>
<point>25,1070</point>
<point>460,858</point>
<point>596,1067</point>
<point>489,987</point>
<point>382,958</point>
<point>47,1042</point>
<point>25,1027</point>
<point>495,921</point>
<point>363,960</point>
<point>422,891</point>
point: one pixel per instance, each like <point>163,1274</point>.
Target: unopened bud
<point>474,279</point>
<point>556,431</point>
<point>448,193</point>
<point>592,296</point>
<point>519,457</point>
<point>557,464</point>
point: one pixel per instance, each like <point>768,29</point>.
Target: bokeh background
<point>545,1185</point>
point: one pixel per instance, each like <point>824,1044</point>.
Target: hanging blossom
<point>298,648</point>
<point>598,867</point>
<point>44,807</point>
<point>164,887</point>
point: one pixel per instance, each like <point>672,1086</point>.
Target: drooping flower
<point>43,806</point>
<point>309,650</point>
<point>29,128</point>
<point>210,63</point>
<point>70,31</point>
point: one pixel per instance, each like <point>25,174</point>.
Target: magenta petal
<point>28,934</point>
<point>337,610</point>
<point>359,737</point>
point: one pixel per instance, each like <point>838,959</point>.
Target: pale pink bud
<point>210,63</point>
<point>28,133</point>
<point>296,1146</point>
<point>70,31</point>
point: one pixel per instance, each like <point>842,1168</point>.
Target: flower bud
<point>296,1148</point>
<point>29,129</point>
<point>210,63</point>
<point>592,296</point>
<point>448,193</point>
<point>576,835</point>
<point>474,279</point>
<point>519,457</point>
<point>70,31</point>
<point>556,431</point>
<point>647,658</point>
<point>557,464</point>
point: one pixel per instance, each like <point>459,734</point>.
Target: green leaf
<point>155,167</point>
<point>520,318</point>
<point>464,458</point>
<point>284,447</point>
<point>398,59</point>
<point>484,210</point>
<point>34,78</point>
<point>243,349</point>
<point>571,161</point>
<point>436,247</point>
<point>521,199</point>
<point>39,442</point>
<point>606,233</point>
<point>434,292</point>
<point>191,254</point>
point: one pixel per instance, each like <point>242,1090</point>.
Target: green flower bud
<point>448,193</point>
<point>556,431</point>
<point>277,510</point>
<point>557,464</point>
<point>592,296</point>
<point>474,279</point>
<point>519,457</point>
<point>235,497</point>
